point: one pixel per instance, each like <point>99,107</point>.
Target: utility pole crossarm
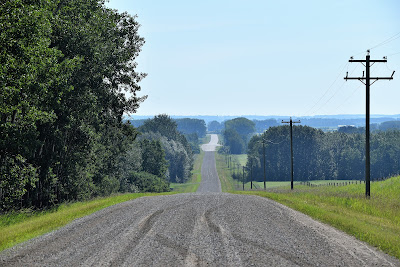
<point>367,78</point>
<point>291,148</point>
<point>364,60</point>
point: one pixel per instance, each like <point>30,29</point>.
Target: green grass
<point>205,140</point>
<point>375,220</point>
<point>19,227</point>
<point>225,174</point>
<point>260,185</point>
<point>192,185</point>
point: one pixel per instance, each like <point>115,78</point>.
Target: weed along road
<point>206,228</point>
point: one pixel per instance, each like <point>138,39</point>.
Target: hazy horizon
<point>265,57</point>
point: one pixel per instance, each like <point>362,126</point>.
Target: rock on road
<point>199,229</point>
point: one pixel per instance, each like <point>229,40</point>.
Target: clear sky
<point>265,57</point>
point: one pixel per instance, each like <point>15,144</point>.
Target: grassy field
<point>194,182</point>
<point>225,173</point>
<point>375,220</point>
<point>19,227</point>
<point>260,185</point>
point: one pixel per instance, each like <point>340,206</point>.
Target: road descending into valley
<point>207,228</point>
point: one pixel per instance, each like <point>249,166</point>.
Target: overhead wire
<point>328,89</point>
<point>334,94</point>
<point>391,39</point>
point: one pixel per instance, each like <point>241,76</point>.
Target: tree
<point>237,133</point>
<point>243,126</point>
<point>153,158</point>
<point>65,69</point>
<point>190,126</point>
<point>177,149</point>
<point>215,126</point>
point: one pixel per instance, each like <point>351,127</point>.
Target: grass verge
<point>225,174</point>
<point>375,220</point>
<point>192,185</point>
<point>19,227</point>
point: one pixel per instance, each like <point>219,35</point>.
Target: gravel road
<point>209,176</point>
<point>198,229</point>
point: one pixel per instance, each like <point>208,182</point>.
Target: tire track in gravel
<point>198,229</point>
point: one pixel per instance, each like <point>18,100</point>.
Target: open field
<point>375,220</point>
<point>19,227</point>
<point>193,184</point>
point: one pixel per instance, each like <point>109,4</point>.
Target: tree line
<point>67,76</point>
<point>319,155</point>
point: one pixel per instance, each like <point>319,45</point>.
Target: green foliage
<point>147,182</point>
<point>237,133</point>
<point>192,126</point>
<point>177,149</point>
<point>193,140</point>
<point>153,158</point>
<point>67,76</point>
<point>319,155</point>
<point>15,175</point>
<point>242,126</point>
<point>234,141</point>
<point>215,126</point>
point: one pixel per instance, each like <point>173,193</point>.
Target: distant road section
<point>212,145</point>
<point>197,229</point>
<point>209,176</point>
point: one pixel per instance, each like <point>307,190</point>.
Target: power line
<point>334,94</point>
<point>337,77</point>
<point>393,54</point>
<point>387,41</point>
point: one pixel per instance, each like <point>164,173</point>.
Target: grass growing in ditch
<point>192,185</point>
<point>375,220</point>
<point>19,227</point>
<point>225,174</point>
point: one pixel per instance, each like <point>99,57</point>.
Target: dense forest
<point>319,155</point>
<point>68,75</point>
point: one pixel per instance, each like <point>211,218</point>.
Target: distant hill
<point>319,121</point>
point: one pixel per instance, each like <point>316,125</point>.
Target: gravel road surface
<point>198,229</point>
<point>209,176</point>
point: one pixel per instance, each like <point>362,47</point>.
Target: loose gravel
<point>198,229</point>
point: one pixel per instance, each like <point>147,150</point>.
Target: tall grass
<point>19,227</point>
<point>375,220</point>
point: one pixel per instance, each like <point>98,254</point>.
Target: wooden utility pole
<point>265,186</point>
<point>367,83</point>
<point>291,148</point>
<point>243,177</point>
<point>251,174</point>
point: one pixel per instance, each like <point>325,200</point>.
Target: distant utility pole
<point>251,174</point>
<point>243,176</point>
<point>263,142</point>
<point>291,148</point>
<point>367,83</point>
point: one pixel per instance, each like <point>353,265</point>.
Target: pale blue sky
<point>265,57</point>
